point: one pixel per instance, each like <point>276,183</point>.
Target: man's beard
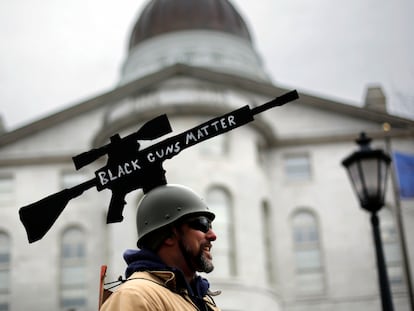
<point>198,262</point>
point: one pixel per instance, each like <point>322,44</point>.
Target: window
<point>392,251</point>
<point>6,189</point>
<point>219,203</point>
<point>297,167</point>
<point>4,271</point>
<point>309,267</point>
<point>73,268</point>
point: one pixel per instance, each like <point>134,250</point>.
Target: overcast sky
<point>56,53</point>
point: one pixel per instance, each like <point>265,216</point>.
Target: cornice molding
<point>343,137</point>
<point>272,143</point>
<point>143,84</point>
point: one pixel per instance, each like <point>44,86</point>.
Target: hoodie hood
<point>145,260</point>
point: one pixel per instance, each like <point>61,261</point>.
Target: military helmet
<point>165,205</point>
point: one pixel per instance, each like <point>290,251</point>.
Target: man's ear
<point>172,239</point>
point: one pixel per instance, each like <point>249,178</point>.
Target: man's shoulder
<point>141,287</point>
<point>149,279</point>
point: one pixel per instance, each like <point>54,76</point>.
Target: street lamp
<point>368,171</point>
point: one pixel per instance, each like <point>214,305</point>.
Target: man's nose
<point>211,235</point>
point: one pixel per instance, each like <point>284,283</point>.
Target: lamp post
<point>368,171</point>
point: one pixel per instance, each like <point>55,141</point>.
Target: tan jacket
<point>151,291</point>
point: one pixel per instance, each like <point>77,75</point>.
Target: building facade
<point>291,235</point>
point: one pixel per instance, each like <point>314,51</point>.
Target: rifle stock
<point>40,216</point>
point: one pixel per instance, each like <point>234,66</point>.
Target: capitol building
<point>291,233</point>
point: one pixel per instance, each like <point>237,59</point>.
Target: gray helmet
<point>165,205</point>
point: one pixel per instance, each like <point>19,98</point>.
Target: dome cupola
<point>200,33</point>
<point>163,16</point>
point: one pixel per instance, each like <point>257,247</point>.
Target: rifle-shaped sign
<point>128,168</point>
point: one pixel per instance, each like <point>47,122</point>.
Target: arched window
<point>4,271</point>
<point>223,251</point>
<point>391,246</point>
<point>307,249</point>
<point>73,269</point>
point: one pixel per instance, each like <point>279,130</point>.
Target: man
<point>174,237</point>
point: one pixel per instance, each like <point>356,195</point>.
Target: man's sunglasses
<point>202,224</point>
